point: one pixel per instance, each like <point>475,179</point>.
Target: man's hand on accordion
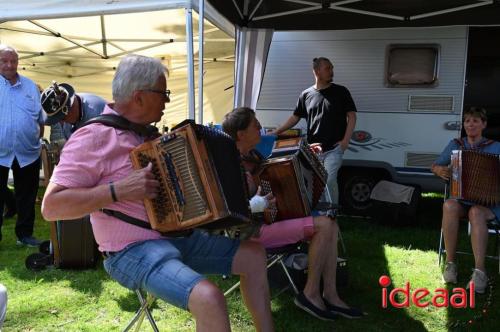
<point>259,203</point>
<point>138,185</point>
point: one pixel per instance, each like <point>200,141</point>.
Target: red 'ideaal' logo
<point>440,298</point>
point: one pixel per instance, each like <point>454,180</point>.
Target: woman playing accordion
<point>453,209</point>
<point>322,231</point>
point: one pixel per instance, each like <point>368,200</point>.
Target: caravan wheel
<point>355,193</point>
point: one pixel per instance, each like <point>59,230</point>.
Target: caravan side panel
<point>400,137</point>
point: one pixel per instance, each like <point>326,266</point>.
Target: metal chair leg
<point>272,260</point>
<point>283,266</point>
<point>440,250</point>
<point>497,233</point>
<point>144,310</point>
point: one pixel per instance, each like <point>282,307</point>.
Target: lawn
<point>88,300</point>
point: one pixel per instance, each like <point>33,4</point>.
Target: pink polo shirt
<point>94,155</point>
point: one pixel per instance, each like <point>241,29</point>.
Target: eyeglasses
<point>166,93</point>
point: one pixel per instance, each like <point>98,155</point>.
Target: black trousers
<point>10,200</point>
<point>26,181</point>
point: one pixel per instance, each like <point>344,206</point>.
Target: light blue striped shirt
<point>20,116</point>
<point>91,106</point>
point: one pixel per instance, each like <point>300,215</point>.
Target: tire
<point>44,247</point>
<point>38,261</point>
<point>355,193</point>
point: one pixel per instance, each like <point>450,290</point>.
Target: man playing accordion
<point>95,172</point>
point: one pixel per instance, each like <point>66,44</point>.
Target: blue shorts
<point>468,204</point>
<point>170,268</point>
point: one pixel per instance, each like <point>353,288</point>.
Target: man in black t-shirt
<point>331,117</point>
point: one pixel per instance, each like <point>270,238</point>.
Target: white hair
<point>136,72</point>
<point>7,48</point>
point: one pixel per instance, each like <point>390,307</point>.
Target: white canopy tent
<point>81,42</point>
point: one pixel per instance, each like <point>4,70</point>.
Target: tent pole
<point>103,34</point>
<point>451,10</point>
<point>190,56</point>
<point>201,37</point>
<point>240,66</point>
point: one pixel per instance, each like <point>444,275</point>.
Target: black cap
<point>56,101</point>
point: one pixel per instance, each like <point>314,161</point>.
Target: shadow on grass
<point>367,262</point>
<point>130,302</point>
<point>424,235</point>
<point>364,233</point>
<point>12,261</point>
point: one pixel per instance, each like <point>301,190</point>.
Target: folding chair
<point>276,256</point>
<point>146,300</point>
<point>493,228</point>
<point>279,254</point>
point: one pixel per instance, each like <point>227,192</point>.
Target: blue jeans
<point>170,268</point>
<point>332,160</point>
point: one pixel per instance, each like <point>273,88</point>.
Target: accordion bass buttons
<point>167,138</point>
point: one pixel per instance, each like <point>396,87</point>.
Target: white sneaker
<point>480,280</point>
<point>450,273</point>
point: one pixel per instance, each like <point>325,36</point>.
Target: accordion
<point>286,146</point>
<point>50,158</point>
<point>201,179</point>
<point>475,177</point>
<point>297,180</point>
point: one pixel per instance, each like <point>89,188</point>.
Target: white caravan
<point>409,86</point>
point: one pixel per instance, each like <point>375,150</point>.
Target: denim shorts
<point>468,204</point>
<point>170,268</point>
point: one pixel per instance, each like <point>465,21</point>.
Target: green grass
<point>88,300</point>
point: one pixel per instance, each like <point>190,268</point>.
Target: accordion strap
<point>120,122</point>
<point>461,143</point>
<point>143,224</point>
<point>127,218</point>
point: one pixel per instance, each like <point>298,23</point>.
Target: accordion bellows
<point>475,177</point>
<point>201,180</point>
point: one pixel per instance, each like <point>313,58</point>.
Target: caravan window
<point>412,65</point>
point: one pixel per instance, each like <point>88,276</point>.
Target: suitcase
<point>397,214</point>
<point>73,244</point>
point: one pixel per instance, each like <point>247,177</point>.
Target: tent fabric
<point>357,14</point>
<point>252,48</point>
<point>35,9</point>
<point>85,50</point>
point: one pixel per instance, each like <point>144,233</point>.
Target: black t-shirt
<point>326,113</point>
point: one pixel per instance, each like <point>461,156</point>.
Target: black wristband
<point>113,192</point>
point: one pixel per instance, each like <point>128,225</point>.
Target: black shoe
<point>9,213</point>
<point>345,312</point>
<point>303,303</point>
<point>29,241</point>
